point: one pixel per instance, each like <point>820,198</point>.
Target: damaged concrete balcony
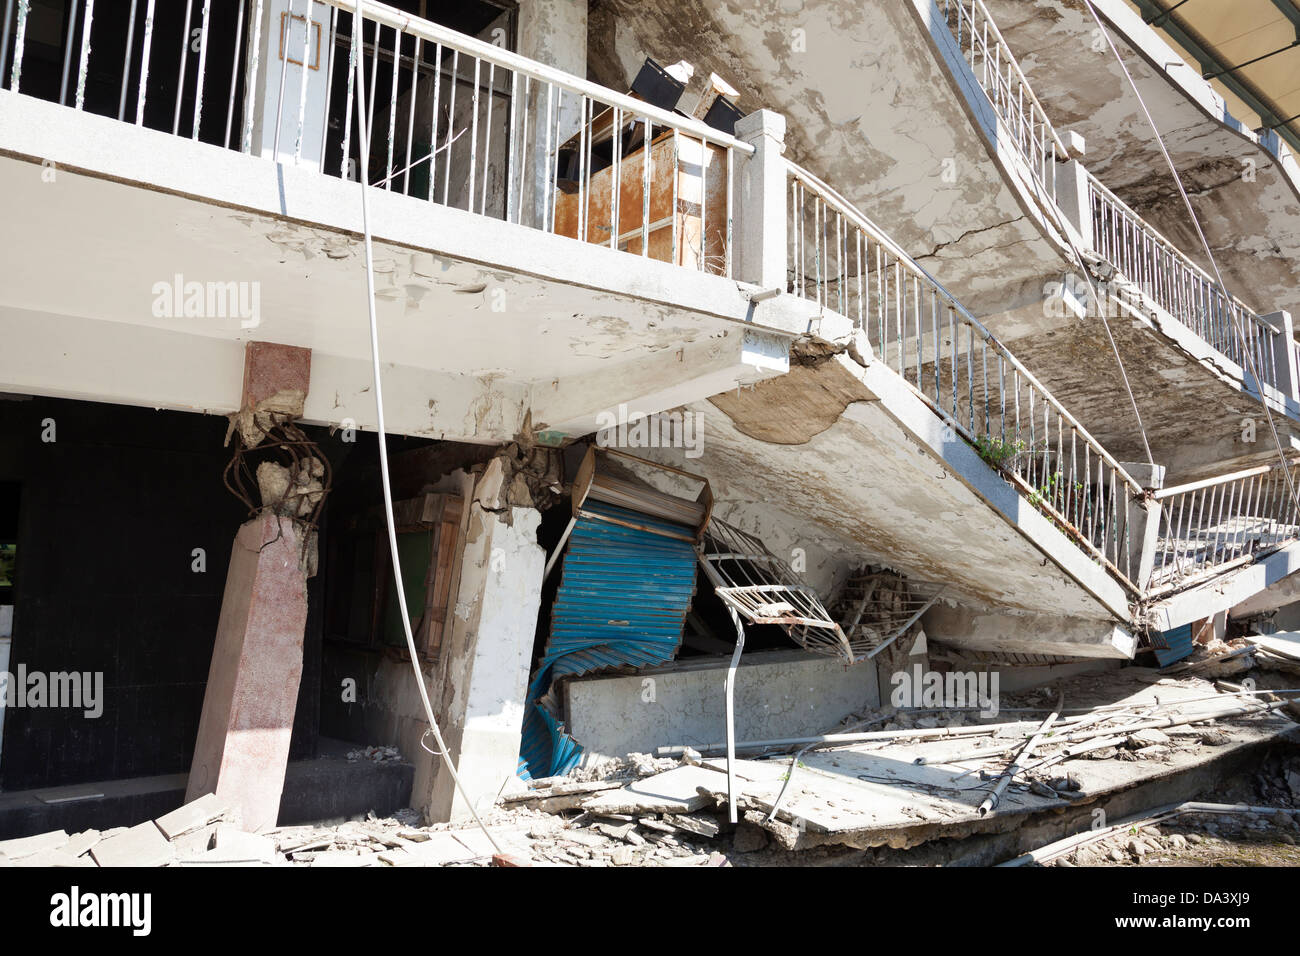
<point>1244,183</point>
<point>925,445</point>
<point>926,393</point>
<point>993,200</point>
<point>205,201</point>
<point>1144,249</point>
<point>1127,281</point>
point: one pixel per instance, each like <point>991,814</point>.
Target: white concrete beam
<point>67,357</point>
<point>1028,634</point>
<point>578,405</point>
<point>1244,588</point>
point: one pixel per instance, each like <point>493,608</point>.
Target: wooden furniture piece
<point>688,216</point>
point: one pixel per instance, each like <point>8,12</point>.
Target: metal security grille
<point>762,589</point>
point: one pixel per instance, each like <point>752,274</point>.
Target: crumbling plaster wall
<point>480,680</point>
<point>478,683</point>
<point>869,109</point>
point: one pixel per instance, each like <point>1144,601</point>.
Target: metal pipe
<point>126,60</point>
<point>84,66</point>
<point>731,713</point>
<point>185,56</point>
<point>254,51</point>
<point>1004,779</point>
<point>234,74</point>
<point>203,59</point>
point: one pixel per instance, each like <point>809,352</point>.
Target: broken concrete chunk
<point>193,815</point>
<point>1147,738</point>
<point>233,845</point>
<point>83,842</point>
<point>196,842</point>
<point>142,845</point>
<point>673,792</point>
<point>701,826</point>
<point>26,846</point>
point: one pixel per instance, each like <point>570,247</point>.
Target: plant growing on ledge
<point>998,451</point>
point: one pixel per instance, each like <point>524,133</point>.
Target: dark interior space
<point>362,623</point>
<point>382,87</point>
<point>55,31</point>
<point>112,511</point>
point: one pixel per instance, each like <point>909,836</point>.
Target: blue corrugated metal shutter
<point>1178,644</point>
<point>622,602</point>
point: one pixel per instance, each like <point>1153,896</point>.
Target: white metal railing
<point>454,120</point>
<point>1169,278</point>
<point>1207,527</point>
<point>1000,76</point>
<point>841,260</point>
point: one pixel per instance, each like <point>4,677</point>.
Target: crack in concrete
<point>971,232</point>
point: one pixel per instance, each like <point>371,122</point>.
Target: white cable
<point>1049,206</point>
<point>364,136</point>
<point>1178,181</point>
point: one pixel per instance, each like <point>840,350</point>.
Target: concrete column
<point>553,32</point>
<point>760,206</point>
<point>243,743</point>
<point>483,670</point>
<point>1142,522</point>
<point>1284,353</point>
<point>242,748</point>
<point>1072,200</point>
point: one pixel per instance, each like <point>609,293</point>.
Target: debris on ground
<point>885,797</point>
<point>375,754</point>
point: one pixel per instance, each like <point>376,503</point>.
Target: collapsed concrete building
<point>801,331</point>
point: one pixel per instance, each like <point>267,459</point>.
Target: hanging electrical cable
<point>363,131</point>
<point>1049,207</point>
<point>1236,321</point>
<point>1095,297</point>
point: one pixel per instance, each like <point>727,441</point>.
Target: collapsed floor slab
<point>862,796</point>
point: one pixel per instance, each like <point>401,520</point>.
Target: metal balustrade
<point>1210,526</point>
<point>999,75</point>
<point>453,120</point>
<point>843,261</point>
<point>1167,277</point>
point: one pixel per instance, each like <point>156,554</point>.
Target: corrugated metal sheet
<point>1178,644</point>
<point>622,602</point>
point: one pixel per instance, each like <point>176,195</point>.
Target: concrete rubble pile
<point>527,830</point>
<point>913,782</point>
<point>1200,838</point>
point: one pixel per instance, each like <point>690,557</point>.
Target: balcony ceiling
<point>1263,34</point>
<point>1247,200</point>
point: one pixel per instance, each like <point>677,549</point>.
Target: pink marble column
<point>242,748</point>
<point>243,743</point>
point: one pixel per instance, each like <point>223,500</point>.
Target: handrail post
<point>1287,374</point>
<point>1142,522</point>
<point>760,227</point>
<point>1072,198</point>
<point>286,85</point>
